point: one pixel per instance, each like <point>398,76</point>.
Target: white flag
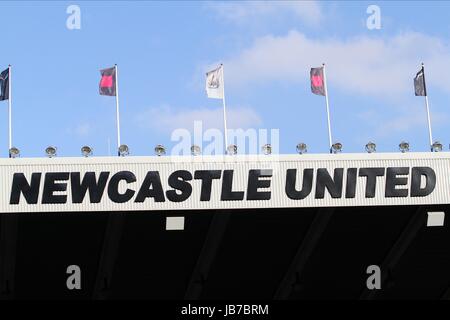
<point>214,83</point>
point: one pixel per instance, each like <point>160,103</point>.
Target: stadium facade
<point>226,227</point>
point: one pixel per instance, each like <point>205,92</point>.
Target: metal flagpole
<point>328,107</point>
<point>224,109</point>
<point>117,108</point>
<point>429,122</point>
<point>9,107</point>
<point>430,135</point>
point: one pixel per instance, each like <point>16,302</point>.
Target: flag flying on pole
<point>419,83</point>
<point>214,83</point>
<point>317,81</point>
<point>108,82</point>
<point>4,85</point>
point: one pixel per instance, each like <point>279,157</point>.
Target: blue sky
<point>163,50</point>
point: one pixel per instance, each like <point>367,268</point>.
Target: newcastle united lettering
<point>299,184</point>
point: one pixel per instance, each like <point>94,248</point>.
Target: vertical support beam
<point>402,244</point>
<point>446,295</point>
<point>108,257</point>
<point>8,245</point>
<point>206,258</point>
<point>304,252</point>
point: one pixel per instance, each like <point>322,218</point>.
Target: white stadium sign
<point>230,182</point>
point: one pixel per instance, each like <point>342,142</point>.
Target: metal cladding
<point>223,182</point>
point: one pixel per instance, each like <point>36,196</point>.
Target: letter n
<point>20,186</point>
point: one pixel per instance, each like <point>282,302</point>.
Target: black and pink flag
<point>108,82</point>
<point>317,81</point>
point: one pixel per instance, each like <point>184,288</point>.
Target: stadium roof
<point>241,251</point>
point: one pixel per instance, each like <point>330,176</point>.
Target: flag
<point>317,81</point>
<point>108,82</point>
<point>214,83</point>
<point>419,83</point>
<point>4,85</point>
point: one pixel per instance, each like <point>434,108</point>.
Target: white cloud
<point>83,129</point>
<point>364,65</point>
<point>409,122</point>
<point>400,124</point>
<point>244,12</point>
<point>80,130</point>
<point>165,119</point>
<point>406,120</point>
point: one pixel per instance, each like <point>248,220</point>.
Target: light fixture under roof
<point>436,146</point>
<point>267,149</point>
<point>371,147</point>
<point>232,149</point>
<point>123,150</point>
<point>404,146</point>
<point>302,148</point>
<point>86,151</point>
<point>336,147</point>
<point>160,150</point>
<point>195,150</point>
<point>14,152</point>
<point>51,152</point>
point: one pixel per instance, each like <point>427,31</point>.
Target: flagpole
<point>430,135</point>
<point>9,107</point>
<point>117,108</point>
<point>330,140</point>
<point>224,109</point>
<point>429,122</point>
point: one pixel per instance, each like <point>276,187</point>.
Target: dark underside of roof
<point>310,253</point>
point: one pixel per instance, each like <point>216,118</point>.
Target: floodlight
<point>371,147</point>
<point>436,146</point>
<point>267,149</point>
<point>160,150</point>
<point>14,152</point>
<point>86,151</point>
<point>404,146</point>
<point>336,147</point>
<point>232,149</point>
<point>302,148</point>
<point>51,152</point>
<point>196,150</point>
<point>123,150</point>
